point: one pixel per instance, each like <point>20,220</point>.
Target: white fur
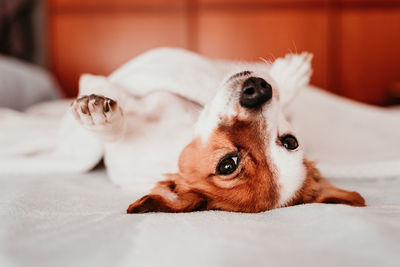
<point>291,74</point>
<point>290,170</point>
<point>221,107</point>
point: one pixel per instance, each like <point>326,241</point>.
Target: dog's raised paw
<point>95,110</point>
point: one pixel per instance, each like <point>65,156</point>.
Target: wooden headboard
<point>355,42</point>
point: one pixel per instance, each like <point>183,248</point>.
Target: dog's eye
<point>227,165</point>
<point>289,142</point>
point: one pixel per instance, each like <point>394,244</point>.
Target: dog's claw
<point>94,110</point>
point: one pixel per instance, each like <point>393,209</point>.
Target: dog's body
<point>157,123</point>
<point>237,154</point>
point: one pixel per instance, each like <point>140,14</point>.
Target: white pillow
<point>23,84</point>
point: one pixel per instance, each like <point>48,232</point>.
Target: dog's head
<point>245,155</point>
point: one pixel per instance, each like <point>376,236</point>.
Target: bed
<point>78,218</point>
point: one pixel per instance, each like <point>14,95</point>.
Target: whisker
<point>295,47</point>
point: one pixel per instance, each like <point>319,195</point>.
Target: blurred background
<point>356,43</point>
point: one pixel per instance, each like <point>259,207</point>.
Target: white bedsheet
<point>80,220</point>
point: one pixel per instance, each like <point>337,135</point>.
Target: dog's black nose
<point>255,92</point>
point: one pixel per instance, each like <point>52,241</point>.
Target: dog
<point>233,145</point>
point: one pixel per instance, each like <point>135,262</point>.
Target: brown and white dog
<point>243,155</point>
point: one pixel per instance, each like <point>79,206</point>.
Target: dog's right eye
<point>227,165</point>
<point>289,142</point>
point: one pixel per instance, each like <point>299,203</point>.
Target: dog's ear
<point>318,190</point>
<point>291,73</point>
<point>167,197</point>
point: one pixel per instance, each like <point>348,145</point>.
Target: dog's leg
<point>101,115</point>
<point>291,73</point>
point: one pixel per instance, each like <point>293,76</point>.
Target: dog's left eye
<point>289,142</point>
<point>227,165</point>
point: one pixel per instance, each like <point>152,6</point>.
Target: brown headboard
<point>355,42</point>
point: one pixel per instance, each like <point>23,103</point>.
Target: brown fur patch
<point>317,189</point>
<point>160,200</point>
<point>251,188</point>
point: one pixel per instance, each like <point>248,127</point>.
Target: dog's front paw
<point>96,111</point>
<point>294,69</point>
<point>291,73</point>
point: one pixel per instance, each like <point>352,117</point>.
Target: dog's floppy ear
<point>291,73</point>
<point>167,197</point>
<point>318,190</point>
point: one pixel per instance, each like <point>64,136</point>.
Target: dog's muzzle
<point>255,92</point>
